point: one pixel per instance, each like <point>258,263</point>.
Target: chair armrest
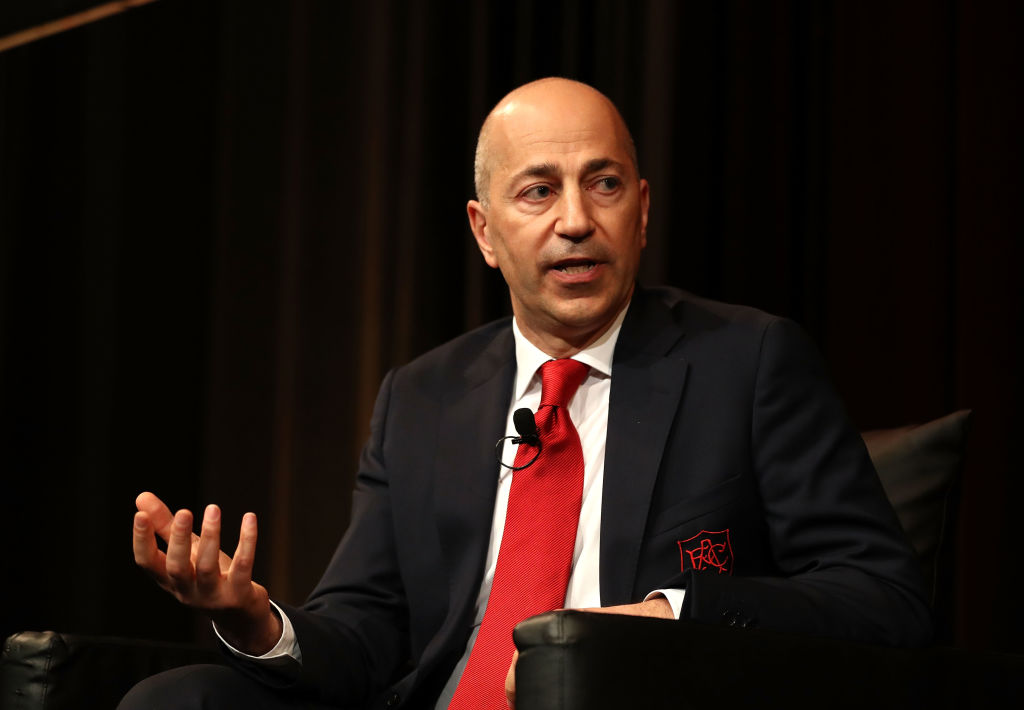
<point>57,671</point>
<point>571,660</point>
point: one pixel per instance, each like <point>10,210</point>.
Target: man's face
<point>566,216</point>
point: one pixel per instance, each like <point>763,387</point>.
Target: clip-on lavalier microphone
<point>526,426</point>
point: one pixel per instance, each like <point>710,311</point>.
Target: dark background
<point>222,221</point>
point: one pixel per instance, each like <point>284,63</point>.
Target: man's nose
<point>575,221</point>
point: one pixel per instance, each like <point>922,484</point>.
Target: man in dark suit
<point>723,482</point>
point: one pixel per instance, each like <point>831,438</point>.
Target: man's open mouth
<point>576,268</point>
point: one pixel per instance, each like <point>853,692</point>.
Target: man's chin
<point>586,316</point>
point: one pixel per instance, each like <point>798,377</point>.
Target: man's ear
<point>478,224</point>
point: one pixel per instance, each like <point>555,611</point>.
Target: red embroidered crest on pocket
<point>706,551</point>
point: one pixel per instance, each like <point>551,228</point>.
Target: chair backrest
<point>920,468</point>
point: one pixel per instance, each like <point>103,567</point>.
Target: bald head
<point>545,99</point>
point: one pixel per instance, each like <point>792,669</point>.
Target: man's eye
<point>537,192</point>
<point>607,184</point>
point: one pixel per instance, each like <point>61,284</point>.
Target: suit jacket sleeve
<point>845,567</point>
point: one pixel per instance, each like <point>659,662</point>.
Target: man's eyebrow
<point>549,170</point>
<point>542,170</point>
<point>598,164</point>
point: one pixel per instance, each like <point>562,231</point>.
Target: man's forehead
<point>568,148</point>
<point>558,120</point>
<point>569,144</point>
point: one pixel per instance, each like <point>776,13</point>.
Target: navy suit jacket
<point>731,470</point>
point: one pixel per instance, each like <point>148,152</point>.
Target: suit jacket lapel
<point>472,418</point>
<point>647,384</point>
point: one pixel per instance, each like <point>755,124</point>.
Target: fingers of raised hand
<point>207,556</point>
<point>240,571</point>
<point>159,514</point>
<point>179,552</point>
<point>194,569</point>
<point>147,555</point>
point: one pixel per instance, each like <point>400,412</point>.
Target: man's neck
<point>561,345</point>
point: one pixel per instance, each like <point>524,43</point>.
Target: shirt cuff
<point>674,597</point>
<point>287,647</point>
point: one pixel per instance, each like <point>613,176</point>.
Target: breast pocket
<point>682,515</point>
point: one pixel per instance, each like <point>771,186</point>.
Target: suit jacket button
<point>393,700</point>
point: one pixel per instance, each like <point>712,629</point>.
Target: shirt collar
<point>597,355</point>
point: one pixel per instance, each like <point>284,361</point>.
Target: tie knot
<point>559,380</point>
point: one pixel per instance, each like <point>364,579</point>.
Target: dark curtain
<point>221,222</point>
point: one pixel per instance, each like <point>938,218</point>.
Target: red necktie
<point>535,557</point>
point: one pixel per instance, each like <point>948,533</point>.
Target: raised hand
<point>200,575</point>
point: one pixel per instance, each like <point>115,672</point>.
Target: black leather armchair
<point>576,660</point>
<point>45,670</point>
